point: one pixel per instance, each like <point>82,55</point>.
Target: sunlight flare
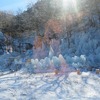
<point>68,3</point>
<point>74,2</point>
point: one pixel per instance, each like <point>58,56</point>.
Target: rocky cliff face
<point>84,37</point>
<point>2,44</point>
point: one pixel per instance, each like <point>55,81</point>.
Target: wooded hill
<point>37,15</point>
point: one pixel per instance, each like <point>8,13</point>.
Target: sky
<point>14,5</point>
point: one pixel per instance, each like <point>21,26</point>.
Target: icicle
<point>40,65</point>
<point>42,61</point>
<point>62,61</point>
<point>51,64</point>
<point>51,52</point>
<point>32,61</point>
<point>64,66</point>
<point>36,62</point>
<point>47,61</point>
<point>56,62</point>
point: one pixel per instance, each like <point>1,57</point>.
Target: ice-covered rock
<point>1,51</point>
<point>6,62</point>
<point>18,60</point>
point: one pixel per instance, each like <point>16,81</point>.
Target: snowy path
<point>50,87</point>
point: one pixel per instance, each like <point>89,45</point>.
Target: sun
<point>68,3</point>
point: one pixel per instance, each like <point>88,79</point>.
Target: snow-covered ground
<point>48,86</point>
<point>35,79</point>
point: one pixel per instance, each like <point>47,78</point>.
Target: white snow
<point>44,84</point>
<point>48,86</point>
